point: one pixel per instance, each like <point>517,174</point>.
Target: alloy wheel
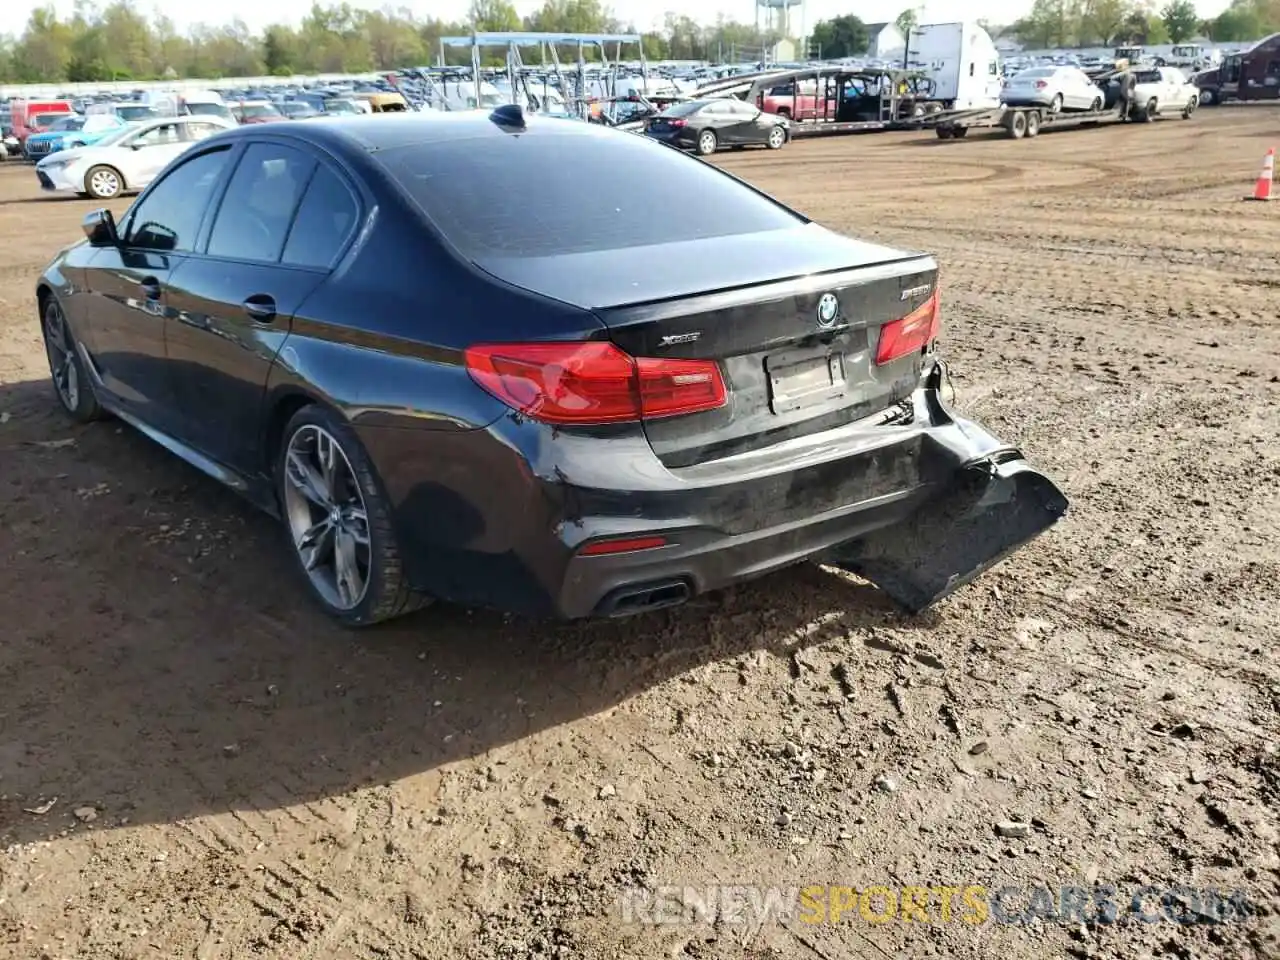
<point>62,357</point>
<point>327,517</point>
<point>104,183</point>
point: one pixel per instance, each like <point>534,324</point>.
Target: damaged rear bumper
<point>938,501</point>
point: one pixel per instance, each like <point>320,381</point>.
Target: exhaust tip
<point>640,598</point>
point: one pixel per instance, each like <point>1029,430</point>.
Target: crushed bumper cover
<point>995,504</point>
<point>974,501</point>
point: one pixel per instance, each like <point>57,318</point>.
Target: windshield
<point>298,109</point>
<point>1039,72</point>
<point>135,112</point>
<point>47,119</point>
<point>1147,76</point>
<point>259,110</point>
<point>115,136</point>
<point>340,106</point>
<point>67,123</point>
<point>209,110</point>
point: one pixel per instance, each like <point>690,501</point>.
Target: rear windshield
<point>682,109</point>
<point>1147,76</point>
<point>551,195</point>
<point>138,111</point>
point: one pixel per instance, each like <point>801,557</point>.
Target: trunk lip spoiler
<point>706,301</point>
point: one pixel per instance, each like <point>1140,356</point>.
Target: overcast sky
<point>645,13</point>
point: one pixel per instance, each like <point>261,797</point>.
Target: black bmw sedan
<point>706,126</point>
<point>457,362</point>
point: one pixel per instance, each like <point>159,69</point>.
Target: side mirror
<point>100,228</point>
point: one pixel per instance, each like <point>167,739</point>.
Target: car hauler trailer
<point>834,99</point>
<point>1019,122</point>
<point>1016,122</point>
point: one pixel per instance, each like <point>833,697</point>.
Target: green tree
<point>44,51</point>
<point>1180,20</point>
<point>907,21</point>
<point>493,16</point>
<point>1238,23</point>
<point>844,36</point>
<point>1104,19</point>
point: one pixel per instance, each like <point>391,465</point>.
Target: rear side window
<point>545,195</point>
<point>253,219</point>
<point>324,222</point>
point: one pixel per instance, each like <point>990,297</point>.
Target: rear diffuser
<point>992,508</point>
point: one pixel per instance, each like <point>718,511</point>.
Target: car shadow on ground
<point>161,661</point>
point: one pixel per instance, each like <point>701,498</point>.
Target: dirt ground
<point>235,777</point>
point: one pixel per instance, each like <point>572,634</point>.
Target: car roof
<point>387,131</point>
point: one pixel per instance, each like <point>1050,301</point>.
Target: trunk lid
<point>761,306</point>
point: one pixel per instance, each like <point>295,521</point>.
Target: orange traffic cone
<point>1262,189</point>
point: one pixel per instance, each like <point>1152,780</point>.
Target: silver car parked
<point>1058,88</point>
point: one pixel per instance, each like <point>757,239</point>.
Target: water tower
<point>774,16</point>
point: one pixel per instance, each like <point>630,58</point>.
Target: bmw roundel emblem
<point>828,310</point>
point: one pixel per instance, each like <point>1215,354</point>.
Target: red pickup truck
<point>34,116</point>
<point>802,103</point>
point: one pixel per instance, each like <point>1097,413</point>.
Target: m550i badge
<point>919,291</point>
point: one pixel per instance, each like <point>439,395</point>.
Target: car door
<point>1072,88</point>
<point>753,125</point>
<point>127,303</point>
<point>151,150</point>
<point>285,216</point>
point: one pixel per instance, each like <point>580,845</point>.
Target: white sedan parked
<point>126,161</point>
<point>1058,88</point>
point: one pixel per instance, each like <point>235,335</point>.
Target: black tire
<point>98,178</point>
<point>944,133</point>
<point>1033,124</point>
<point>777,138</point>
<point>1190,108</point>
<point>1055,105</point>
<point>1147,112</point>
<point>1017,125</point>
<point>1207,98</point>
<point>960,133</point>
<point>1096,106</point>
<point>708,143</point>
<point>67,371</point>
<point>388,593</point>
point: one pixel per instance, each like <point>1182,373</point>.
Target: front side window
<point>254,217</point>
<point>168,216</point>
<point>159,136</point>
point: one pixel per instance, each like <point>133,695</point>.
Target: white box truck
<point>962,61</point>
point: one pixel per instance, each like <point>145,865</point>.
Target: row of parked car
<point>34,129</point>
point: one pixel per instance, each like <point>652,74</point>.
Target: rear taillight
<point>590,382</point>
<point>1040,84</point>
<point>911,333</point>
<point>677,123</point>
